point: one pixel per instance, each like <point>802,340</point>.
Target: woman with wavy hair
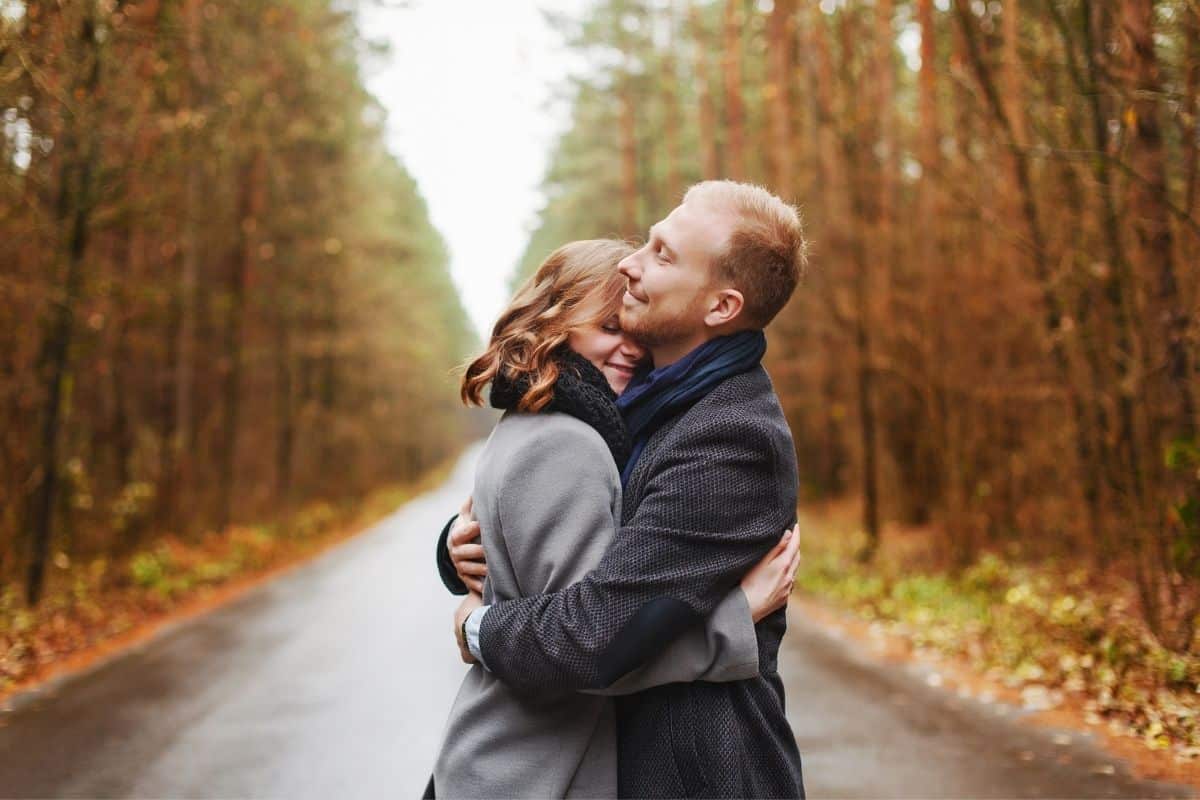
<point>547,496</point>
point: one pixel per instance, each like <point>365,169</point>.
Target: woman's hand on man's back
<point>769,583</point>
<point>466,550</point>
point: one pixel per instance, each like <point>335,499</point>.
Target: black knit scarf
<point>581,391</point>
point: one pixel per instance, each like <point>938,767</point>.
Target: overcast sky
<point>467,89</point>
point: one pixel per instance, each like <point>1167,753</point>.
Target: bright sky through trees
<point>468,89</point>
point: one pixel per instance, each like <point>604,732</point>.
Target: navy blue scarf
<point>656,396</point>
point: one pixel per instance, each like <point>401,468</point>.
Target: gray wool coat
<point>548,498</point>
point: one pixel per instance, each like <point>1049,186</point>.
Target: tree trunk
<point>929,138</point>
<point>285,411</point>
<point>1191,99</point>
<point>735,114</point>
<point>629,155</point>
<point>669,83</point>
<point>1024,182</point>
<point>1014,89</point>
<point>1151,223</point>
<point>781,51</point>
<point>252,200</point>
<point>75,202</point>
<point>709,164</point>
<point>861,207</point>
<point>1118,285</point>
<point>179,432</point>
<point>627,134</point>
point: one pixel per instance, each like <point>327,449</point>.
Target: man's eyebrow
<point>655,234</point>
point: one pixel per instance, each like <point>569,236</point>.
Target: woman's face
<point>609,349</point>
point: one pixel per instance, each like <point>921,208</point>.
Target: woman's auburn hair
<point>577,285</point>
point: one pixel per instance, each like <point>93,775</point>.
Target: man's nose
<point>627,266</point>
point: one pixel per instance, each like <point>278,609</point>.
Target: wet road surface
<point>334,681</point>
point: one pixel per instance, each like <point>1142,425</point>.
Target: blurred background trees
<point>998,334</point>
<point>220,296</point>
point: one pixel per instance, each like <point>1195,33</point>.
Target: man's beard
<point>654,330</point>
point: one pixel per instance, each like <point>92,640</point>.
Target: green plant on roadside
<point>312,520</point>
<point>147,569</point>
<point>133,505</point>
<point>1041,625</point>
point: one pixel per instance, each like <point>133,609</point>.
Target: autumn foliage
<point>221,299</point>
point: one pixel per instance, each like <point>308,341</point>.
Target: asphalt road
<point>334,681</point>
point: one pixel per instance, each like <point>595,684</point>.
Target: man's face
<point>669,289</point>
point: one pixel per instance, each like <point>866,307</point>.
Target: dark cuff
<point>445,565</point>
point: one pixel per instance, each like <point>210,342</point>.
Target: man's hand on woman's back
<point>466,549</point>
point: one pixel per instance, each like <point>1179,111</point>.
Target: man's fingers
<point>471,568</point>
<point>464,532</point>
<point>461,534</point>
<point>474,584</point>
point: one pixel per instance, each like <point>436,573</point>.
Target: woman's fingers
<point>790,561</point>
<point>793,542</point>
<point>782,557</point>
<point>780,547</point>
<point>790,575</point>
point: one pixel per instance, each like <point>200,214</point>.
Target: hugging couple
<point>634,507</point>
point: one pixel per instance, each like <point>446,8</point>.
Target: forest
<point>221,297</point>
<point>997,337</point>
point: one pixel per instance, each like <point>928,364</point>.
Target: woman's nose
<point>631,349</point>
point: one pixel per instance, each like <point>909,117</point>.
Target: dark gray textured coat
<point>710,495</point>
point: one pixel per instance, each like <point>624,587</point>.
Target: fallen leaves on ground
<point>1045,629</point>
<point>92,603</point>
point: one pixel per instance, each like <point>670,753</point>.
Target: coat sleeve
<point>558,515</point>
<point>725,648</point>
<point>712,509</point>
<point>445,566</point>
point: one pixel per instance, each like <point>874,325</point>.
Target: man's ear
<point>724,307</point>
